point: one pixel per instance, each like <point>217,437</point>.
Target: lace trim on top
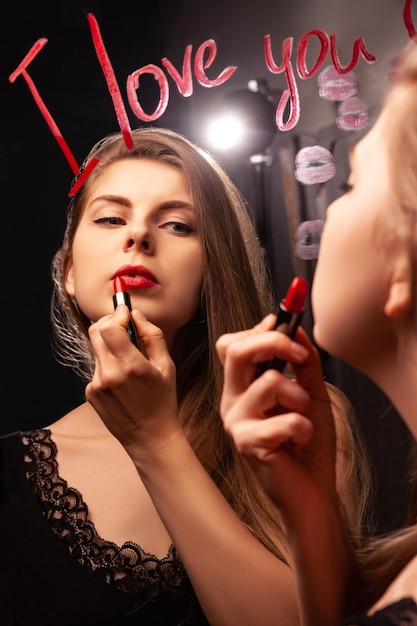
<point>128,567</point>
<point>401,613</point>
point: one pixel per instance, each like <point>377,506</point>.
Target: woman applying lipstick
<point>141,509</point>
<point>368,260</point>
<point>134,507</point>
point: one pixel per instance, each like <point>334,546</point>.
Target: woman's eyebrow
<point>111,199</point>
<point>176,204</point>
<point>123,201</point>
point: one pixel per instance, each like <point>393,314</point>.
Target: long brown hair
<point>236,294</point>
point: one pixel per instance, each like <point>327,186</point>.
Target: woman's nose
<point>141,239</point>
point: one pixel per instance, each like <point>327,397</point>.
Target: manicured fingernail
<point>265,322</point>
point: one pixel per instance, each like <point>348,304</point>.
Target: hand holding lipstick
<point>286,431</point>
<point>137,386</point>
<point>284,428</point>
<point>133,392</point>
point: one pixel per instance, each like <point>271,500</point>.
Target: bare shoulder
<point>82,422</point>
<point>404,586</point>
<point>84,444</point>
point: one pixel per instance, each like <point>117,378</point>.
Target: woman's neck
<point>396,374</point>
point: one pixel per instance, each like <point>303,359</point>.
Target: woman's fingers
<point>263,397</point>
<point>153,342</point>
<point>259,439</point>
<point>109,337</point>
<point>243,354</point>
<point>222,344</point>
<point>111,332</point>
<point>133,391</point>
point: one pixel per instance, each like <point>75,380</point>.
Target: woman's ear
<point>69,279</point>
<point>399,300</point>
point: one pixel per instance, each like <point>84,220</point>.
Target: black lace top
<point>127,567</point>
<point>402,613</point>
<point>54,560</point>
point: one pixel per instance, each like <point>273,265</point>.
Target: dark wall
<point>36,178</point>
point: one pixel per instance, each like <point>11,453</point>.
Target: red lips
<point>136,276</point>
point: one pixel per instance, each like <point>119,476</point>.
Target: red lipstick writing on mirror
<point>121,296</point>
<point>290,314</point>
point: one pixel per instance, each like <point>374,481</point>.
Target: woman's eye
<point>179,228</point>
<point>112,220</point>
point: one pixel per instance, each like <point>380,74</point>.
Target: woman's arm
<point>237,580</point>
<point>285,430</point>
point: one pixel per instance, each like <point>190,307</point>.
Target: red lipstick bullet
<point>290,313</point>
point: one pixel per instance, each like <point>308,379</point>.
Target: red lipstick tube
<point>290,314</point>
<point>121,296</point>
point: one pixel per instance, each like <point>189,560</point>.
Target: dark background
<point>36,177</point>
